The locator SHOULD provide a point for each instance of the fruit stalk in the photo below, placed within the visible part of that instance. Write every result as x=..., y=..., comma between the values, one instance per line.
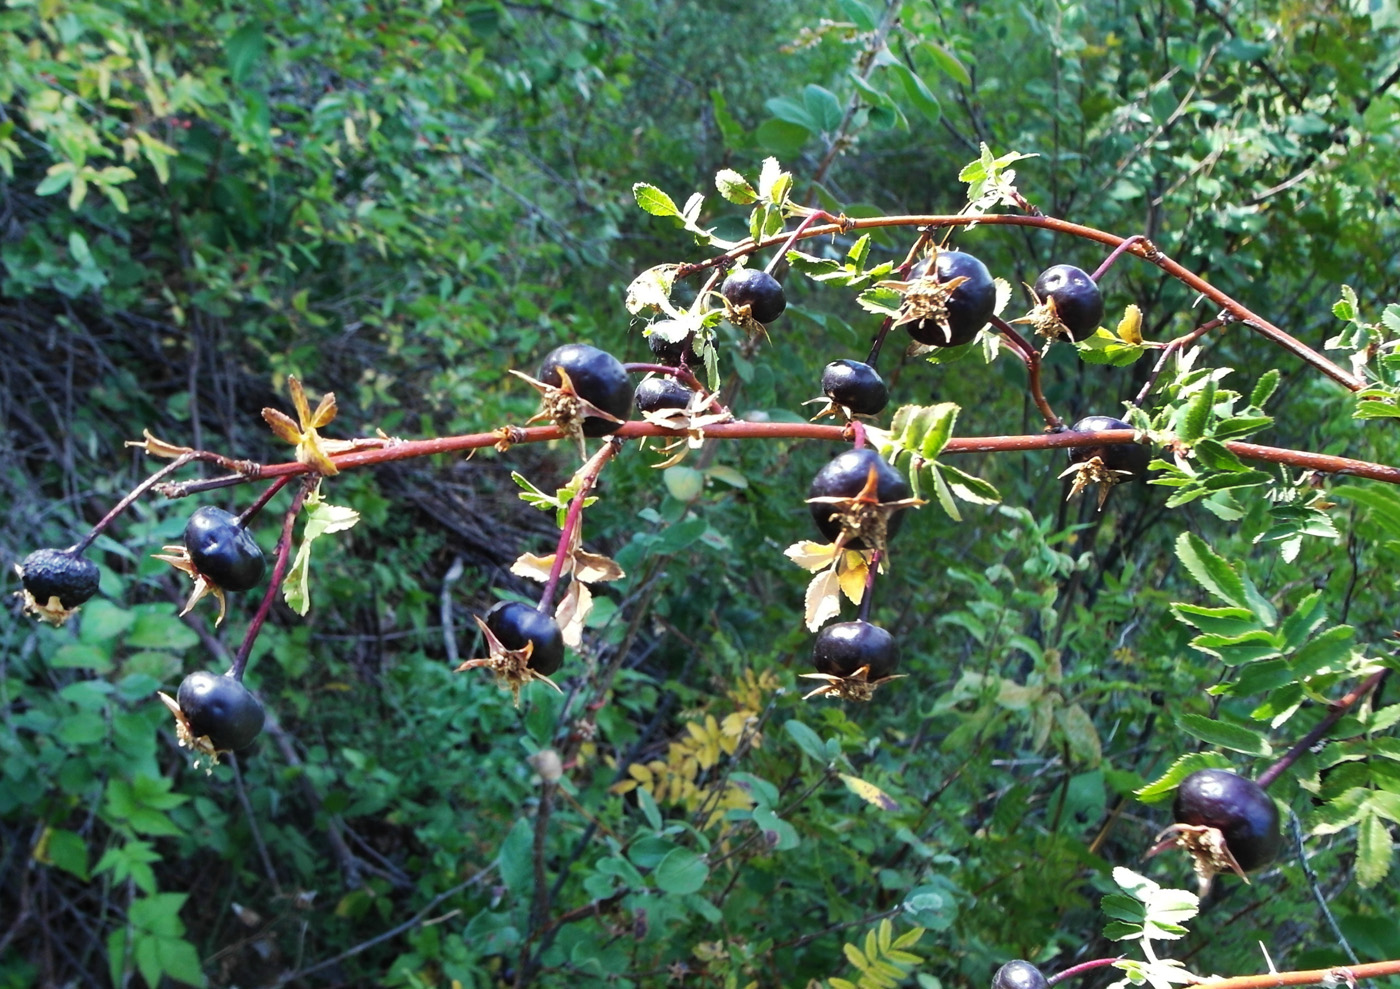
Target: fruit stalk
x=587, y=476
x=1028, y=355
x=863, y=614
x=1320, y=730
x=1172, y=347
x=257, y=506
x=1081, y=968
x=1117, y=252
x=806, y=223
x=82, y=544
x=279, y=570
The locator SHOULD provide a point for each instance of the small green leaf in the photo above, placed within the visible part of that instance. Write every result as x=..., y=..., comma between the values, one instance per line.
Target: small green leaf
x=1197, y=414
x=1373, y=851
x=1183, y=767
x=1224, y=734
x=681, y=871
x=807, y=740
x=1264, y=388
x=734, y=187
x=654, y=201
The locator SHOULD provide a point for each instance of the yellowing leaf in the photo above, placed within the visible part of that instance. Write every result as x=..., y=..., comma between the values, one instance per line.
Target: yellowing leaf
x=869, y=792
x=811, y=555
x=823, y=599
x=572, y=611
x=532, y=566
x=852, y=578
x=1130, y=326
x=593, y=567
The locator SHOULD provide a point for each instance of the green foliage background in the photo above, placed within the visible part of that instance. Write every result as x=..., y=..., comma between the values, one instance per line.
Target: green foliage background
x=400, y=202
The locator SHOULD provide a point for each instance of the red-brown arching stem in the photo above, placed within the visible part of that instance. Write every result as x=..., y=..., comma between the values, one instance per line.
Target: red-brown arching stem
x=1141, y=249
x=1334, y=714
x=1031, y=359
x=586, y=477
x=282, y=555
x=1332, y=977
x=743, y=430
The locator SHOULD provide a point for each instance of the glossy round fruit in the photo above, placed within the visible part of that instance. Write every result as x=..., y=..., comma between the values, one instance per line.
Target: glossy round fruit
x=758, y=290
x=1019, y=974
x=221, y=708
x=855, y=385
x=969, y=307
x=1078, y=301
x=598, y=378
x=845, y=476
x=50, y=573
x=654, y=394
x=222, y=550
x=516, y=624
x=1131, y=457
x=843, y=648
x=1238, y=808
x=669, y=352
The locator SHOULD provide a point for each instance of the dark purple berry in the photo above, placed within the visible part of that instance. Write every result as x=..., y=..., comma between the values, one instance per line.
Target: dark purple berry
x=758, y=290
x=654, y=394
x=669, y=352
x=1078, y=301
x=516, y=624
x=57, y=573
x=1131, y=457
x=1019, y=974
x=221, y=708
x=843, y=648
x=968, y=308
x=222, y=550
x=1238, y=808
x=598, y=378
x=845, y=476
x=857, y=386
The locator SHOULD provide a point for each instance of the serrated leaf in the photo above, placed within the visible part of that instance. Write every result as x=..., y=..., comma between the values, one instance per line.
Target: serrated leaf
x=321, y=519
x=943, y=493
x=1216, y=621
x=653, y=200
x=1373, y=851
x=807, y=740
x=1198, y=412
x=1130, y=326
x=1224, y=734
x=1264, y=388
x=1323, y=651
x=652, y=290
x=1183, y=767
x=1079, y=731
x=1210, y=570
x=1340, y=813
x=852, y=578
x=968, y=488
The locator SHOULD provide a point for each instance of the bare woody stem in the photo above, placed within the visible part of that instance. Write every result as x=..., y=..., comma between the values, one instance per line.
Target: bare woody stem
x=1319, y=976
x=1334, y=714
x=412, y=449
x=587, y=475
x=1031, y=359
x=263, y=499
x=1141, y=249
x=282, y=554
x=871, y=571
x=806, y=224
x=82, y=544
